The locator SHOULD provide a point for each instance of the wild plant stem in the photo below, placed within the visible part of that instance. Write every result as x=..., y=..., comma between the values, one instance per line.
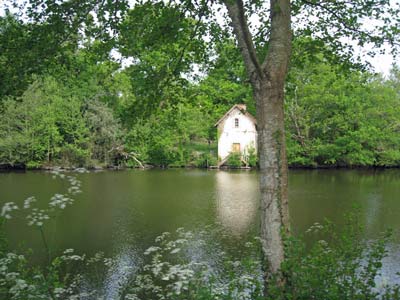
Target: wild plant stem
x=46, y=246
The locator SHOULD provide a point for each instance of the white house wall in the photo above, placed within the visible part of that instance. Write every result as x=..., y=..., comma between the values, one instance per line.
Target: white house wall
x=245, y=134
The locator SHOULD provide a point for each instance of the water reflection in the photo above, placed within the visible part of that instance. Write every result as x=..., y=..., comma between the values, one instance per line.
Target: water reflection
x=236, y=200
x=130, y=208
x=125, y=263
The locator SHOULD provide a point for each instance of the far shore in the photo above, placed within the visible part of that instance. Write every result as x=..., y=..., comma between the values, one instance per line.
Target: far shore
x=22, y=168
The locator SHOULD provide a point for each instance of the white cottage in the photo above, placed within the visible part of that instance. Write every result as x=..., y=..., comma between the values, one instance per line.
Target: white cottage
x=237, y=132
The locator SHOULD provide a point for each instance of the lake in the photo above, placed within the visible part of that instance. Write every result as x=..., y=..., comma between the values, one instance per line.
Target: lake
x=120, y=211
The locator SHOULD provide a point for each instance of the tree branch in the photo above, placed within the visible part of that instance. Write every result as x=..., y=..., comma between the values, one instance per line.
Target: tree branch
x=352, y=28
x=244, y=38
x=280, y=41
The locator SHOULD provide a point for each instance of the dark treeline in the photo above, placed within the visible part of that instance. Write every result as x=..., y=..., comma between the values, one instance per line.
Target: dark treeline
x=70, y=102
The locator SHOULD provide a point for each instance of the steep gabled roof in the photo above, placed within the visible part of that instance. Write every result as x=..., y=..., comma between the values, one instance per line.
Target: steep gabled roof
x=240, y=107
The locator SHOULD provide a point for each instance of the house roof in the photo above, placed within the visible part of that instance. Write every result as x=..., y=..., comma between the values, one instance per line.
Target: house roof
x=240, y=107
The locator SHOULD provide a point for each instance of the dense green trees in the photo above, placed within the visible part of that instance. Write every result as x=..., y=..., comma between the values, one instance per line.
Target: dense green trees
x=339, y=119
x=53, y=123
x=78, y=105
x=86, y=113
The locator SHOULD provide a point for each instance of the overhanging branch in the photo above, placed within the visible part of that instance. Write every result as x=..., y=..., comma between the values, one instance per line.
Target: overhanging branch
x=244, y=38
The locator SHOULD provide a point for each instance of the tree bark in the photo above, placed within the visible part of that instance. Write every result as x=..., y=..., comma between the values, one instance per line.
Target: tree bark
x=267, y=80
x=273, y=173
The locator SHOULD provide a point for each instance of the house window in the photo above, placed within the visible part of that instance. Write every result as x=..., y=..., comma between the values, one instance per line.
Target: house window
x=236, y=123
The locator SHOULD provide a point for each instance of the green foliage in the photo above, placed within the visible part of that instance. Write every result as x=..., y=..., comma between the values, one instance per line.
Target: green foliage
x=235, y=160
x=341, y=120
x=164, y=43
x=341, y=266
x=65, y=100
x=61, y=279
x=171, y=137
x=104, y=130
x=172, y=271
x=252, y=158
x=52, y=124
x=206, y=160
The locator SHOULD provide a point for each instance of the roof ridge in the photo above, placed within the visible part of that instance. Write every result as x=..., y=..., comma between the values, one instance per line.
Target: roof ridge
x=239, y=108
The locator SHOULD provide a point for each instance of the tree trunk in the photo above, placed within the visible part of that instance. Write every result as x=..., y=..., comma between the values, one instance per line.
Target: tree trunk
x=273, y=172
x=267, y=80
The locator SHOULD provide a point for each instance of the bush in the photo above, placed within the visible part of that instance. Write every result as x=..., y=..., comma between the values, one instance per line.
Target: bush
x=252, y=158
x=342, y=266
x=206, y=160
x=235, y=160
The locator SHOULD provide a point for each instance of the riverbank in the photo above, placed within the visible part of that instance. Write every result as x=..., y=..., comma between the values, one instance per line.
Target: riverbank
x=5, y=168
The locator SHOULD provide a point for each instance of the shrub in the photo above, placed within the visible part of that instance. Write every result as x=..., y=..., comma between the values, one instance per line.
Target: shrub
x=234, y=160
x=342, y=266
x=252, y=157
x=206, y=160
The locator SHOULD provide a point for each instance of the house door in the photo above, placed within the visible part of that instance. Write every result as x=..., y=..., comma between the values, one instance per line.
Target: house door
x=236, y=147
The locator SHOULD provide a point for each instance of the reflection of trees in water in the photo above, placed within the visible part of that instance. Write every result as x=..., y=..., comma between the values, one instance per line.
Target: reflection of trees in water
x=318, y=194
x=237, y=200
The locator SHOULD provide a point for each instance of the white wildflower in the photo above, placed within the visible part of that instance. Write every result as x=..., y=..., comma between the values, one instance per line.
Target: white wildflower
x=108, y=262
x=316, y=227
x=60, y=201
x=151, y=250
x=58, y=292
x=176, y=250
x=68, y=255
x=131, y=297
x=161, y=237
x=28, y=201
x=20, y=284
x=8, y=207
x=248, y=244
x=37, y=217
x=323, y=243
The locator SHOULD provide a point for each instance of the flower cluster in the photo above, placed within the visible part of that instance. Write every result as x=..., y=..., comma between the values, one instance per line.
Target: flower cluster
x=60, y=201
x=68, y=255
x=179, y=266
x=75, y=185
x=8, y=207
x=314, y=228
x=28, y=201
x=12, y=278
x=37, y=217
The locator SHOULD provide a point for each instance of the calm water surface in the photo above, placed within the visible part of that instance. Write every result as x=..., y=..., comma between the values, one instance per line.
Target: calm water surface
x=121, y=210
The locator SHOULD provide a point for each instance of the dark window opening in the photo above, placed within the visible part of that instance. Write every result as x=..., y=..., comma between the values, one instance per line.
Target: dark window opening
x=236, y=123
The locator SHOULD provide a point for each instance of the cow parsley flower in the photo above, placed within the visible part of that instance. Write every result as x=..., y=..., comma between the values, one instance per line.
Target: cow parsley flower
x=37, y=217
x=60, y=201
x=8, y=207
x=29, y=201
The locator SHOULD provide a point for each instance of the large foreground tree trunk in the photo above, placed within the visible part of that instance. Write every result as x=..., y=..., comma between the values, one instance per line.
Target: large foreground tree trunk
x=267, y=80
x=273, y=173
